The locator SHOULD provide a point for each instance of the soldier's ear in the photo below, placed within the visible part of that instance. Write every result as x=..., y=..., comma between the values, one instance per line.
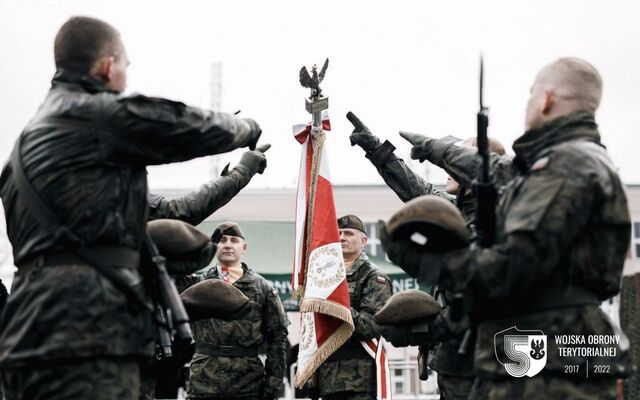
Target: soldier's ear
x=549, y=100
x=364, y=239
x=102, y=69
x=244, y=247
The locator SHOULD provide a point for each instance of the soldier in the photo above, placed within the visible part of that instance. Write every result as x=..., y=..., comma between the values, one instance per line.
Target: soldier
x=226, y=364
x=562, y=234
x=350, y=372
x=455, y=371
x=76, y=183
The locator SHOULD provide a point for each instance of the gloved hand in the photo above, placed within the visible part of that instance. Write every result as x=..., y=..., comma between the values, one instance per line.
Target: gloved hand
x=255, y=160
x=415, y=261
x=420, y=149
x=361, y=135
x=255, y=133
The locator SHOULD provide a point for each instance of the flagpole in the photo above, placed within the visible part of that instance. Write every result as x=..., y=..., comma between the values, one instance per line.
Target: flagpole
x=315, y=104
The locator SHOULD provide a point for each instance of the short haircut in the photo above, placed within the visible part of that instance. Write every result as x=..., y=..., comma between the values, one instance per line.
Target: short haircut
x=576, y=81
x=81, y=41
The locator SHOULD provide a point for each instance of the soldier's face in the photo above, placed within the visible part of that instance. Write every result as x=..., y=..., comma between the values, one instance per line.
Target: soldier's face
x=118, y=78
x=352, y=242
x=230, y=249
x=452, y=186
x=539, y=104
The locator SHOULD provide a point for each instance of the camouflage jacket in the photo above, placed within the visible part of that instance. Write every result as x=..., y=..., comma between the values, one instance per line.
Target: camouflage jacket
x=369, y=290
x=85, y=153
x=563, y=231
x=265, y=327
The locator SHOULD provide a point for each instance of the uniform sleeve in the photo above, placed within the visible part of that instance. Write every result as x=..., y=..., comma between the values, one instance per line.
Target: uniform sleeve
x=375, y=293
x=275, y=323
x=464, y=165
x=404, y=182
x=151, y=131
x=542, y=223
x=196, y=206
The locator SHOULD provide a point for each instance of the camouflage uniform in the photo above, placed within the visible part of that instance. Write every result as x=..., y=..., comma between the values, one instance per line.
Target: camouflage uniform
x=226, y=363
x=85, y=153
x=562, y=235
x=455, y=371
x=350, y=373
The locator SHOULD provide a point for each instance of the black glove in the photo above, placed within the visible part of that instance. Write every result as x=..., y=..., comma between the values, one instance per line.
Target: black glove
x=361, y=135
x=412, y=258
x=420, y=148
x=255, y=133
x=255, y=160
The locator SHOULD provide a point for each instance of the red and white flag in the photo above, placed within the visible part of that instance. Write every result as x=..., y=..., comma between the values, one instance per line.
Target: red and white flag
x=319, y=276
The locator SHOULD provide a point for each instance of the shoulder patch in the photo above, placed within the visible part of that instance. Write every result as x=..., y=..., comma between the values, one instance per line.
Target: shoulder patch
x=274, y=292
x=540, y=164
x=381, y=279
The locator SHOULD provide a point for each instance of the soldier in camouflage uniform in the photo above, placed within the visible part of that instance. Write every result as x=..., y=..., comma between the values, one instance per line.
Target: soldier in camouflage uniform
x=455, y=371
x=226, y=363
x=562, y=235
x=350, y=372
x=67, y=331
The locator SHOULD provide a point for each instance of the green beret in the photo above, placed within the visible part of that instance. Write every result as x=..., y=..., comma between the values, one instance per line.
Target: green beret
x=430, y=223
x=407, y=306
x=351, y=221
x=213, y=298
x=231, y=229
x=186, y=249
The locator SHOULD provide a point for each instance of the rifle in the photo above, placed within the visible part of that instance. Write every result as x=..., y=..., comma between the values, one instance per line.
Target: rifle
x=174, y=333
x=484, y=188
x=486, y=198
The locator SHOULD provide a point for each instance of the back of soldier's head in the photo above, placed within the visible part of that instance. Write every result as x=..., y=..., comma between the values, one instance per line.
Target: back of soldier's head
x=81, y=41
x=575, y=82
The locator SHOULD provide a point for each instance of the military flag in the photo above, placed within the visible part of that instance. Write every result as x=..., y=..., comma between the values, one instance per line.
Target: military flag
x=319, y=276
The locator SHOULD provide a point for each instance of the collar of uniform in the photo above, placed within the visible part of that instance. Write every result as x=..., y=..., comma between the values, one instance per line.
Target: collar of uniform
x=357, y=263
x=247, y=276
x=83, y=80
x=576, y=125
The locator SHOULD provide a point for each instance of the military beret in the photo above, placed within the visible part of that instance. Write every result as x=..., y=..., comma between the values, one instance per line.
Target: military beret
x=231, y=229
x=406, y=306
x=186, y=249
x=351, y=221
x=431, y=223
x=213, y=298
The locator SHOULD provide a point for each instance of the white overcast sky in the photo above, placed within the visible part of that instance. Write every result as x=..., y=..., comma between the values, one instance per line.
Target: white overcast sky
x=410, y=65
